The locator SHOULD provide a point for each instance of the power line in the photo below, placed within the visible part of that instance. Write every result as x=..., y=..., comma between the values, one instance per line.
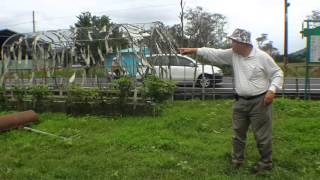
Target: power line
x=24, y=16
x=141, y=7
x=95, y=12
x=101, y=12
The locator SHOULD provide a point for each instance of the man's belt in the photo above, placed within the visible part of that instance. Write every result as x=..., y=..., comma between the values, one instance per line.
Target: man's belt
x=249, y=97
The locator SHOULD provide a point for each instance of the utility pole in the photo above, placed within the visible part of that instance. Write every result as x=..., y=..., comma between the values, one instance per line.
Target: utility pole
x=33, y=22
x=286, y=5
x=285, y=55
x=182, y=23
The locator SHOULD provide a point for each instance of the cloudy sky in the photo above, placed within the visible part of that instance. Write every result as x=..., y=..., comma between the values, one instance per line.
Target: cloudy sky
x=258, y=16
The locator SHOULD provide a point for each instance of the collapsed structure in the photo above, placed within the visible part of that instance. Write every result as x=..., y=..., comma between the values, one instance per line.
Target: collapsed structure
x=83, y=48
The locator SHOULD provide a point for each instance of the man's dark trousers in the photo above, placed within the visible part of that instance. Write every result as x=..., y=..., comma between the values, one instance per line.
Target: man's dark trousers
x=255, y=113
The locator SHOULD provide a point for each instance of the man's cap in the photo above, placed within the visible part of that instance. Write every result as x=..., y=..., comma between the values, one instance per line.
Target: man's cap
x=241, y=35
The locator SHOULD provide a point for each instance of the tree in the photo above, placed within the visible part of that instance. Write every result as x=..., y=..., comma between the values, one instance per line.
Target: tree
x=315, y=15
x=204, y=28
x=175, y=32
x=261, y=40
x=266, y=45
x=90, y=37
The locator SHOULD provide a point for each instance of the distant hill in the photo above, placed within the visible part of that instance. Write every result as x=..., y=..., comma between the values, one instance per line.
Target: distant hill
x=300, y=53
x=294, y=57
x=298, y=56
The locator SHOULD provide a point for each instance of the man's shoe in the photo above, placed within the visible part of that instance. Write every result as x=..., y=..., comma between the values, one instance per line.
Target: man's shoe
x=261, y=167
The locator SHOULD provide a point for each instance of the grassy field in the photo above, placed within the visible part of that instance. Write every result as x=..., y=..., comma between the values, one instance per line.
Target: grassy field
x=299, y=70
x=191, y=140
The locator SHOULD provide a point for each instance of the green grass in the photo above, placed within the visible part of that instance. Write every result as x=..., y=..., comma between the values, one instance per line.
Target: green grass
x=191, y=140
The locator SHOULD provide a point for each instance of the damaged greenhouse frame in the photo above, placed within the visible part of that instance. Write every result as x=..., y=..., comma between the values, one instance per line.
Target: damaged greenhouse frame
x=85, y=56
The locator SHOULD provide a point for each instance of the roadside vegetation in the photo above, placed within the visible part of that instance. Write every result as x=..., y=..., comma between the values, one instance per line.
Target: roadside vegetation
x=299, y=70
x=295, y=70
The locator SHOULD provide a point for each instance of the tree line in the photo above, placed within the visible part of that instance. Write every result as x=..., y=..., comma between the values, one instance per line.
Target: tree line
x=197, y=28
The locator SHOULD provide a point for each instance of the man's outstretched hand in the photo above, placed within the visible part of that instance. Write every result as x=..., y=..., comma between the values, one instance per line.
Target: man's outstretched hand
x=188, y=50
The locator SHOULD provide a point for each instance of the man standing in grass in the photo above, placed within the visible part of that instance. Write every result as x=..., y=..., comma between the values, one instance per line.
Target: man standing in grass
x=256, y=78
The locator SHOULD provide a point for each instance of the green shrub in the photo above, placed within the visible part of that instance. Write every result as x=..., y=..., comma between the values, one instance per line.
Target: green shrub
x=97, y=71
x=2, y=98
x=39, y=92
x=124, y=85
x=78, y=93
x=19, y=93
x=158, y=89
x=65, y=72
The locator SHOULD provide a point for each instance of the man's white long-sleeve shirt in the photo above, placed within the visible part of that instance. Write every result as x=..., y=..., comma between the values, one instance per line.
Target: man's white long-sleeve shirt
x=253, y=75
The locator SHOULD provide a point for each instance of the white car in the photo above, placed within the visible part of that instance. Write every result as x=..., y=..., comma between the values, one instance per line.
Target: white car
x=183, y=70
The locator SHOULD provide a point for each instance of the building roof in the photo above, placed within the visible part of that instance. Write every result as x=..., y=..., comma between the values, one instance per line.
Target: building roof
x=8, y=31
x=5, y=34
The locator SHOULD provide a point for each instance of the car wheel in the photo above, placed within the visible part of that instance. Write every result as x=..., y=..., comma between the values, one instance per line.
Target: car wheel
x=205, y=81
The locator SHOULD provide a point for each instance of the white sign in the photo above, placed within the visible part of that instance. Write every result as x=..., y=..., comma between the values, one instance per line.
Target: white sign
x=315, y=49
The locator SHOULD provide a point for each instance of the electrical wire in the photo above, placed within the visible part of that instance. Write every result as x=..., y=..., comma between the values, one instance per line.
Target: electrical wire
x=100, y=12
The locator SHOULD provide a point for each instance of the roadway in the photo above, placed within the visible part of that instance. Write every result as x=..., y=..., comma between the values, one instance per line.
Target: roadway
x=293, y=87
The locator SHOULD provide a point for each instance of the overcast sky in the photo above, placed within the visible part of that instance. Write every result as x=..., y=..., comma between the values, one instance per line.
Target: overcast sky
x=258, y=16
